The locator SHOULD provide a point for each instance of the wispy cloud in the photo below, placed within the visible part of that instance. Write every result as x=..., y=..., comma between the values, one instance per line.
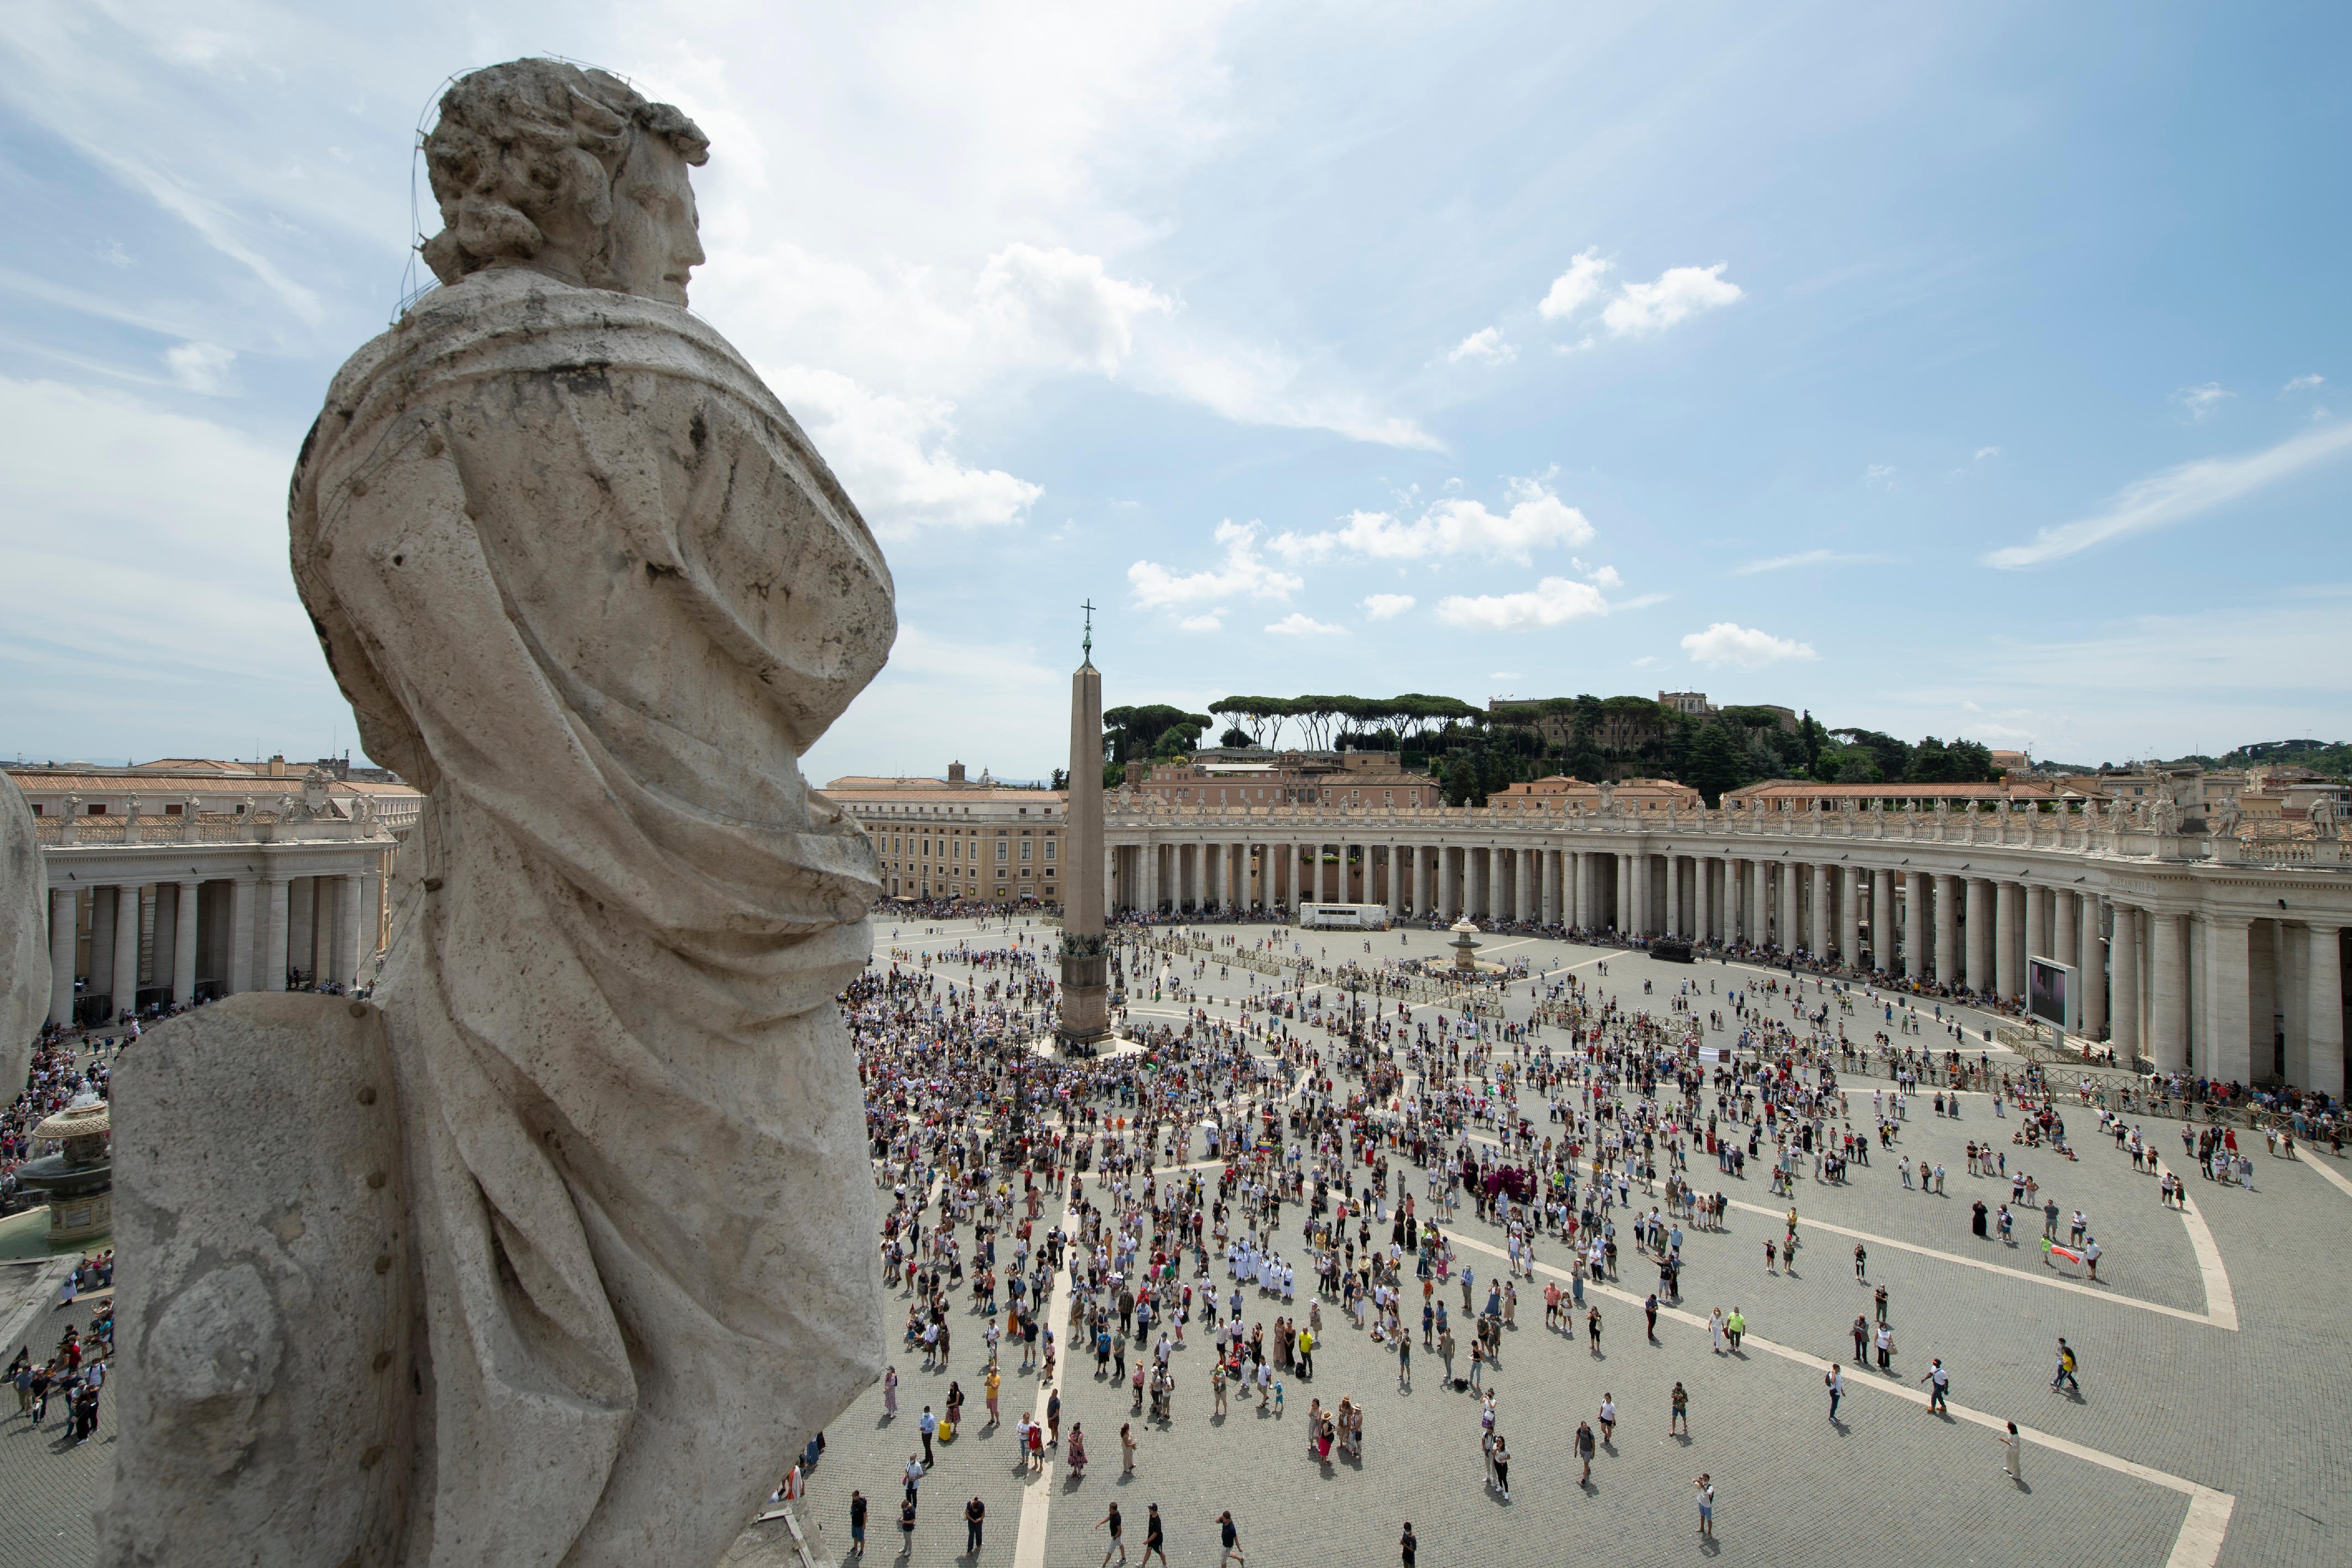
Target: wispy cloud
x=2311, y=383
x=2201, y=401
x=1727, y=642
x=1537, y=519
x=2177, y=494
x=1243, y=574
x=1296, y=624
x=1575, y=288
x=1808, y=558
x=1554, y=602
x=1485, y=345
x=1679, y=292
x=1387, y=606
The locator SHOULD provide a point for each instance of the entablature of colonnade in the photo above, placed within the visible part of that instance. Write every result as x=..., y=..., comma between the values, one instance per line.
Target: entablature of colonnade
x=160, y=850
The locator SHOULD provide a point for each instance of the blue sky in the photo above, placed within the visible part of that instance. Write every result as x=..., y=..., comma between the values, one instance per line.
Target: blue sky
x=1971, y=371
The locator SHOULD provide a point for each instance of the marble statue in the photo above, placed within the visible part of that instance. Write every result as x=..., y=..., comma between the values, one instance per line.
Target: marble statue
x=587, y=584
x=24, y=936
x=2323, y=820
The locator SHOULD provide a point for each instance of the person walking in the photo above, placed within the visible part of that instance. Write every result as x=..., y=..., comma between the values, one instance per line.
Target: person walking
x=1706, y=1489
x=1408, y=1544
x=1585, y=1447
x=1155, y=1537
x=857, y=1522
x=1650, y=1311
x=1835, y=1382
x=1937, y=1381
x=1860, y=1340
x=1885, y=1348
x=1126, y=1450
x=2011, y=1455
x=1229, y=1536
x=2066, y=1365
x=1112, y=1522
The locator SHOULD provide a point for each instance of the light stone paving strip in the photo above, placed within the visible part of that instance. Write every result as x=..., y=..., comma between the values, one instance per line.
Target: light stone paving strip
x=2202, y=1531
x=2223, y=1317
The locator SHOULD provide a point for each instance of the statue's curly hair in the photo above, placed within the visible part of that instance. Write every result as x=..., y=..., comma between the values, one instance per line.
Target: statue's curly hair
x=517, y=142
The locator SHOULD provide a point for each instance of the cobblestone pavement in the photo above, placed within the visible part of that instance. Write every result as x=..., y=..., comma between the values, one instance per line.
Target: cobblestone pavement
x=2246, y=1412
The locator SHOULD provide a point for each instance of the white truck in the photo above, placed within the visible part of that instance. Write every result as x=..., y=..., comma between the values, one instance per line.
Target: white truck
x=1344, y=917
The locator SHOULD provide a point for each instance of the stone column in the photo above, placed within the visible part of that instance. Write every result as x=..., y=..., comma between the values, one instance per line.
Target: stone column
x=1789, y=933
x=2007, y=896
x=1623, y=909
x=2091, y=958
x=184, y=943
x=1946, y=918
x=2168, y=988
x=65, y=935
x=1675, y=924
x=1297, y=869
x=126, y=948
x=1850, y=916
x=1882, y=921
x=1916, y=942
x=1445, y=882
x=1817, y=920
x=2066, y=934
x=1980, y=935
x=242, y=941
x=2323, y=1061
x=347, y=930
x=274, y=915
x=2037, y=927
x=1523, y=886
x=2228, y=1031
x=2129, y=1034
x=1703, y=895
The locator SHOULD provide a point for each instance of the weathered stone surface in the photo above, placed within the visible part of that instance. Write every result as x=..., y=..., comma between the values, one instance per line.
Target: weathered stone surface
x=587, y=583
x=268, y=1408
x=24, y=937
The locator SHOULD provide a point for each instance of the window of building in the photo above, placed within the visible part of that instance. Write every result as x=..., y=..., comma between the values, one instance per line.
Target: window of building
x=97, y=809
x=36, y=808
x=1000, y=873
x=174, y=809
x=1000, y=850
x=1049, y=852
x=1024, y=848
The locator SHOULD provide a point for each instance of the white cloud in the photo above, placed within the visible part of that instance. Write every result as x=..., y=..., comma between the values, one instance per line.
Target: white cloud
x=1243, y=574
x=1213, y=620
x=2178, y=494
x=1505, y=676
x=1879, y=475
x=1554, y=602
x=1987, y=454
x=200, y=367
x=2200, y=402
x=1296, y=624
x=1806, y=558
x=1726, y=643
x=1387, y=606
x=1484, y=345
x=1538, y=520
x=891, y=456
x=1679, y=292
x=1574, y=288
x=1259, y=384
x=1066, y=304
x=2311, y=383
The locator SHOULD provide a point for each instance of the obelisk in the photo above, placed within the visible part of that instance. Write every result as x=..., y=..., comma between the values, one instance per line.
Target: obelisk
x=1085, y=1016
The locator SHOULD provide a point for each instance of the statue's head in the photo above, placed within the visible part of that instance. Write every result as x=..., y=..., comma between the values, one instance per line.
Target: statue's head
x=573, y=173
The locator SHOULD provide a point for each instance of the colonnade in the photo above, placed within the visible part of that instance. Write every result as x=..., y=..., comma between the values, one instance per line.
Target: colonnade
x=132, y=943
x=2167, y=974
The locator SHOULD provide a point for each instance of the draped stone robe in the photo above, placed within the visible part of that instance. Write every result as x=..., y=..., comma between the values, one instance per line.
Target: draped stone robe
x=588, y=584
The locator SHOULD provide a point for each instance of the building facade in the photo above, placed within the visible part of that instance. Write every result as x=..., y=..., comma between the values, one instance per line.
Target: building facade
x=971, y=840
x=178, y=882
x=1240, y=776
x=2215, y=953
